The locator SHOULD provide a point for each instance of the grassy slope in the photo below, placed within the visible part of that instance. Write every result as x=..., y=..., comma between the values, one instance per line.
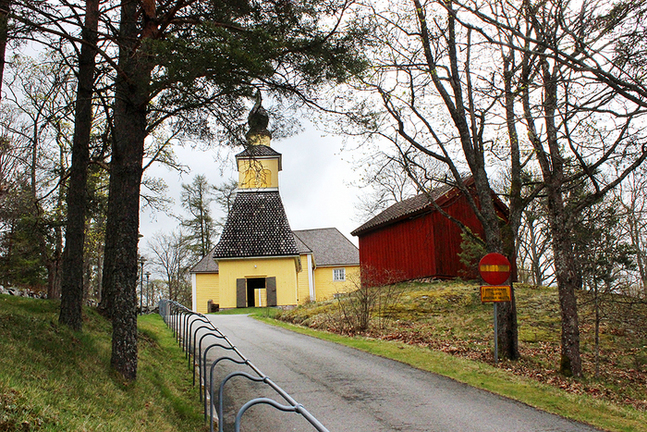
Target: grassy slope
x=53, y=379
x=448, y=331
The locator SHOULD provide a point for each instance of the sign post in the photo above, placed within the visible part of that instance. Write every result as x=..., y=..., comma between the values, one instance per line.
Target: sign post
x=496, y=333
x=495, y=270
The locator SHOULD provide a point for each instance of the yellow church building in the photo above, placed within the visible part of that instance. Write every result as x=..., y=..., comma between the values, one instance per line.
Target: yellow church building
x=259, y=261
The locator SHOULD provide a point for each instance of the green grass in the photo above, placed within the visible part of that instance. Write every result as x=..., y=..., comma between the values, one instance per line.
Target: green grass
x=255, y=311
x=54, y=379
x=444, y=328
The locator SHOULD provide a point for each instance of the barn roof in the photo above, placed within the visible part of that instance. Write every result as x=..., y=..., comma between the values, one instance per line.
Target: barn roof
x=329, y=247
x=257, y=226
x=206, y=265
x=420, y=204
x=405, y=208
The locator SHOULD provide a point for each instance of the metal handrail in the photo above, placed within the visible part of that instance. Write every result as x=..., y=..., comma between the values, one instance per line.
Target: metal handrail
x=219, y=414
x=200, y=362
x=177, y=318
x=298, y=408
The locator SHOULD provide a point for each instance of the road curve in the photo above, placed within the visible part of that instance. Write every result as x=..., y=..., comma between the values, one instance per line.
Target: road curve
x=352, y=391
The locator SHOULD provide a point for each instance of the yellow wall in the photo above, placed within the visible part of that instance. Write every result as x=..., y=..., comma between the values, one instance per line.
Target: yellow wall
x=284, y=269
x=325, y=288
x=259, y=140
x=303, y=290
x=207, y=285
x=258, y=173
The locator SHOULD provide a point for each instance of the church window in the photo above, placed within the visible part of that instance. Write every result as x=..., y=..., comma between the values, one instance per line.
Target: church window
x=339, y=274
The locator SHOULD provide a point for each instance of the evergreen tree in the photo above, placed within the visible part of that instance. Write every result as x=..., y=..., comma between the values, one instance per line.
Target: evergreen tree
x=197, y=198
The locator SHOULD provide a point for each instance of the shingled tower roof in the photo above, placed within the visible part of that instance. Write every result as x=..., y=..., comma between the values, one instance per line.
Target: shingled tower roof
x=257, y=226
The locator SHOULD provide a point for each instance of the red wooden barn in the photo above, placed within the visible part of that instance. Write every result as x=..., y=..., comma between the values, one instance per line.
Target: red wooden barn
x=412, y=240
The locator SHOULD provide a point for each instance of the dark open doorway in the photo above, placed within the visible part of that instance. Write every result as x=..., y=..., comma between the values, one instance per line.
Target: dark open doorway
x=253, y=284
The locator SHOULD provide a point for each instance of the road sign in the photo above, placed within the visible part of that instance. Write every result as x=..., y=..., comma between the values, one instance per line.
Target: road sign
x=494, y=268
x=495, y=294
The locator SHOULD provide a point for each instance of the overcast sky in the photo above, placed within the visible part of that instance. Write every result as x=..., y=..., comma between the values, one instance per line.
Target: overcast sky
x=314, y=183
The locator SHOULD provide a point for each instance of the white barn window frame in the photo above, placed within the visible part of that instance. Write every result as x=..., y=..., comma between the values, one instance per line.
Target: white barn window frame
x=339, y=274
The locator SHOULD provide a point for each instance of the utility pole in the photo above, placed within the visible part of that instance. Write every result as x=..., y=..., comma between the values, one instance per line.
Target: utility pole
x=141, y=285
x=148, y=293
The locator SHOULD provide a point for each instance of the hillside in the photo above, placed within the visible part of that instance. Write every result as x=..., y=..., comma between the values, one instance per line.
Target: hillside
x=53, y=379
x=449, y=317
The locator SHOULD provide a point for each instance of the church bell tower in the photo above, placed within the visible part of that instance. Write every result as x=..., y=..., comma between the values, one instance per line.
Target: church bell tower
x=257, y=225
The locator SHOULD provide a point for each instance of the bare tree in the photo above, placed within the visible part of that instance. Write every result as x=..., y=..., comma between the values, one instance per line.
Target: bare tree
x=368, y=301
x=631, y=199
x=172, y=257
x=576, y=136
x=5, y=7
x=554, y=76
x=385, y=182
x=534, y=255
x=433, y=95
x=35, y=121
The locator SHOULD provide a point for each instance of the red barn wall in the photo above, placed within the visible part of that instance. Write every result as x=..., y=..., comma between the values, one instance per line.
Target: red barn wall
x=448, y=239
x=424, y=246
x=404, y=250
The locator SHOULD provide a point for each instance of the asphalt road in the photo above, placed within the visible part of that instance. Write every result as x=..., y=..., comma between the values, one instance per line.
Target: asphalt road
x=352, y=391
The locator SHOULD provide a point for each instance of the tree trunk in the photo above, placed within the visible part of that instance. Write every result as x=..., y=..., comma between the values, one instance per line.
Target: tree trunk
x=508, y=331
x=566, y=269
x=635, y=234
x=465, y=120
x=567, y=282
x=72, y=284
x=54, y=277
x=5, y=6
x=597, y=328
x=508, y=334
x=559, y=219
x=132, y=95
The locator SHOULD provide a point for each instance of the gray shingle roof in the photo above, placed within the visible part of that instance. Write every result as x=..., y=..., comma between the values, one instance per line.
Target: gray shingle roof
x=206, y=265
x=402, y=209
x=301, y=246
x=329, y=246
x=258, y=151
x=257, y=226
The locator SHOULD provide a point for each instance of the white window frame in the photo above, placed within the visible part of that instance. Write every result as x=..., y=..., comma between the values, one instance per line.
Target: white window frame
x=339, y=274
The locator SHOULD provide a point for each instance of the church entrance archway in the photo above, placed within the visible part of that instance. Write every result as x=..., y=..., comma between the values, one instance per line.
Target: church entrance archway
x=254, y=284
